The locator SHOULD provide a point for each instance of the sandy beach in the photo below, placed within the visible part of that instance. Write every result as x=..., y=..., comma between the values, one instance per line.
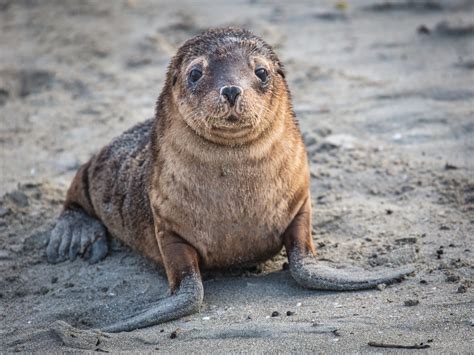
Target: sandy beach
x=384, y=94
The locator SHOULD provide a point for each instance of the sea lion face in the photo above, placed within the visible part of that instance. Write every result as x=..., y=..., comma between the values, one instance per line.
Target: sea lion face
x=225, y=85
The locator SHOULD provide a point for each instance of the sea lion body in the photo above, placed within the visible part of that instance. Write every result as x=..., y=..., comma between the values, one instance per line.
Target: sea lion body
x=231, y=203
x=228, y=195
x=219, y=178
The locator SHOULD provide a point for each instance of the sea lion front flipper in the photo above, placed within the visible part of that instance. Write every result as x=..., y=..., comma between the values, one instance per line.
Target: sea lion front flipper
x=313, y=274
x=77, y=234
x=181, y=262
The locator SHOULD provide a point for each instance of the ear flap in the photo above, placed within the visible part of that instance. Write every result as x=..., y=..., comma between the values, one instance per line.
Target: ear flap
x=172, y=73
x=281, y=72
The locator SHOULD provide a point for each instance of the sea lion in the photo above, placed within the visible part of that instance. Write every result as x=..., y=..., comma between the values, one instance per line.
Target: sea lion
x=218, y=178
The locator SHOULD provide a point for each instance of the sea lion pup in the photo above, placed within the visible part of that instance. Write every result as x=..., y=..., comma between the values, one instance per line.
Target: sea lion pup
x=218, y=178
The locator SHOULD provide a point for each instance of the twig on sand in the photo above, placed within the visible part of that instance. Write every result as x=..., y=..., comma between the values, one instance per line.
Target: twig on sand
x=398, y=346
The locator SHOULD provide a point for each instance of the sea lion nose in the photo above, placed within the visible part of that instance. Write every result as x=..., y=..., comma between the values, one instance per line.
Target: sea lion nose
x=231, y=93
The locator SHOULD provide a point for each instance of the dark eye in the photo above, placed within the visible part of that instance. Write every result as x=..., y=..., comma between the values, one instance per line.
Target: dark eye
x=262, y=74
x=195, y=75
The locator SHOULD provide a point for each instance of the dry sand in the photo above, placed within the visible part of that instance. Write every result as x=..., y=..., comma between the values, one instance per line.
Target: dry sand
x=384, y=92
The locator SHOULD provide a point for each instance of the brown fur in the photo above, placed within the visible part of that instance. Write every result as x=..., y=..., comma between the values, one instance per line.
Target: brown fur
x=230, y=198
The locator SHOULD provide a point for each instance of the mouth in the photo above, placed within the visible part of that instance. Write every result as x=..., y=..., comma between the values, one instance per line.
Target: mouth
x=230, y=123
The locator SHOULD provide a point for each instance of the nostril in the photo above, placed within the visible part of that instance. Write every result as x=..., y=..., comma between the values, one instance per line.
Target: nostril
x=231, y=93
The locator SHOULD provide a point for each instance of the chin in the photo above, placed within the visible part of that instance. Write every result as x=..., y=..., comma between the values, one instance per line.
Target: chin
x=231, y=131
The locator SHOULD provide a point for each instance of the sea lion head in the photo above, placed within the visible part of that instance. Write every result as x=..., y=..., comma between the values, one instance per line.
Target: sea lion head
x=227, y=85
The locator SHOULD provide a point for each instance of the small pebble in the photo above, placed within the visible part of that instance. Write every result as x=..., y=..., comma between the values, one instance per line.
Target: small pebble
x=54, y=279
x=174, y=333
x=298, y=304
x=290, y=313
x=462, y=289
x=452, y=278
x=448, y=166
x=439, y=252
x=411, y=303
x=275, y=314
x=423, y=29
x=381, y=287
x=423, y=282
x=206, y=318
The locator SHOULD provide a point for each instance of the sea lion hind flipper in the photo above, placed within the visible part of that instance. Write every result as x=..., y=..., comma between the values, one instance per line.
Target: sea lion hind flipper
x=185, y=301
x=313, y=274
x=181, y=262
x=77, y=233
